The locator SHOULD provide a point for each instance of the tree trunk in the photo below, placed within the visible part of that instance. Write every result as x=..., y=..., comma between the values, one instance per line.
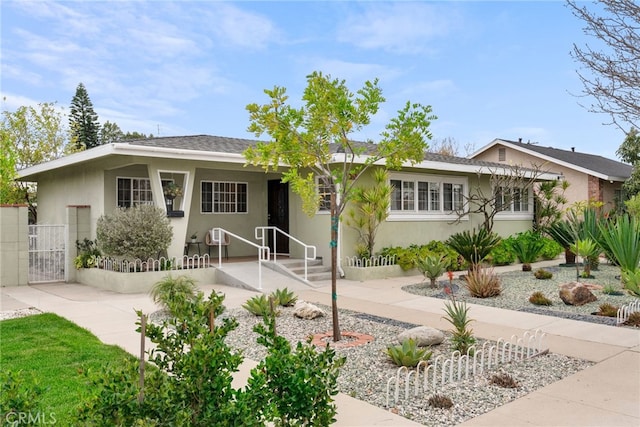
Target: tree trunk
x=569, y=257
x=334, y=268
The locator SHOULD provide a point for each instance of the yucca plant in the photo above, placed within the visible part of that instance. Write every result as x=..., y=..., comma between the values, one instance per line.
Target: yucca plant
x=473, y=246
x=458, y=315
x=631, y=281
x=408, y=353
x=527, y=247
x=432, y=266
x=171, y=289
x=284, y=297
x=622, y=238
x=261, y=306
x=483, y=283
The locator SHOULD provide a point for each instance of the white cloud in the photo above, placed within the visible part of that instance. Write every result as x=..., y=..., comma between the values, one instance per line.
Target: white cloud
x=399, y=27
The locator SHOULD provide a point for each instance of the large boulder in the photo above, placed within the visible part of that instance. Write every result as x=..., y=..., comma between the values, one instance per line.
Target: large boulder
x=575, y=293
x=423, y=336
x=306, y=310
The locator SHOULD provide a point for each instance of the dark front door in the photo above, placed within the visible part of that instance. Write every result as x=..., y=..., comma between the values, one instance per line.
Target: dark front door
x=278, y=214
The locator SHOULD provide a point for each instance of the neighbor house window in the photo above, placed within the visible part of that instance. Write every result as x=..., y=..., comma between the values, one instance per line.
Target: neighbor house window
x=134, y=192
x=427, y=195
x=324, y=191
x=223, y=197
x=502, y=154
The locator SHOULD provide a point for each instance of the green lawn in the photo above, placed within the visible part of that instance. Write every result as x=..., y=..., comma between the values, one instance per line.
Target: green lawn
x=56, y=351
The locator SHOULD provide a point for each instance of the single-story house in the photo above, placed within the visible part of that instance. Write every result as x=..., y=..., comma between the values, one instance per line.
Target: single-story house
x=591, y=177
x=221, y=190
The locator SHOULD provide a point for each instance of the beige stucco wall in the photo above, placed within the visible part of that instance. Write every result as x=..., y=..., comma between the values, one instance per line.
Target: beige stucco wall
x=14, y=245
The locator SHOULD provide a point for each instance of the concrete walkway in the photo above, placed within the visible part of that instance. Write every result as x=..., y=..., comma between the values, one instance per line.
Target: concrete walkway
x=606, y=394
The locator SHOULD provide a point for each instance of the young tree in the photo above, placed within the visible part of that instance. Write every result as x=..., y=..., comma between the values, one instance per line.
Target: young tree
x=30, y=135
x=313, y=141
x=83, y=121
x=629, y=152
x=549, y=199
x=507, y=185
x=611, y=64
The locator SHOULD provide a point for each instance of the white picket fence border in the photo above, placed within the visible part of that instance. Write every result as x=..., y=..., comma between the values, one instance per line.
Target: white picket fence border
x=459, y=367
x=625, y=311
x=374, y=261
x=152, y=264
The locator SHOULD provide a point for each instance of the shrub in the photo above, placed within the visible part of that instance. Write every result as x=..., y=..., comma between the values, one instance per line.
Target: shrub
x=87, y=253
x=543, y=274
x=483, y=283
x=406, y=257
x=527, y=247
x=140, y=232
x=550, y=249
x=284, y=297
x=170, y=290
x=502, y=253
x=503, y=379
x=631, y=281
x=608, y=310
x=474, y=246
x=634, y=319
x=462, y=335
x=440, y=401
x=538, y=298
x=408, y=353
x=19, y=393
x=432, y=267
x=261, y=306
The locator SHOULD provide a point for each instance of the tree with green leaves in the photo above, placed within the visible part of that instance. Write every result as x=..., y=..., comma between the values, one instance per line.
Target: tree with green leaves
x=314, y=142
x=83, y=121
x=136, y=135
x=110, y=132
x=29, y=136
x=629, y=152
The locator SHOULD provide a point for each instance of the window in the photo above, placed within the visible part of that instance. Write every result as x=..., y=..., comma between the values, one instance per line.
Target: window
x=502, y=154
x=134, y=192
x=223, y=197
x=432, y=196
x=324, y=191
x=512, y=200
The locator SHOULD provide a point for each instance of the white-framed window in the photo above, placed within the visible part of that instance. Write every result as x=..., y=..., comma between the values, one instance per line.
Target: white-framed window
x=324, y=191
x=426, y=196
x=223, y=197
x=513, y=201
x=133, y=192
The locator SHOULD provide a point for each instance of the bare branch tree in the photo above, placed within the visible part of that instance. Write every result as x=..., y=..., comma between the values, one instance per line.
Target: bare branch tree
x=611, y=76
x=510, y=187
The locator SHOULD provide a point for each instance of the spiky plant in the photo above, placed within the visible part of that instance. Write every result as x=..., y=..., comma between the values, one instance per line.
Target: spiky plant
x=474, y=246
x=432, y=266
x=503, y=379
x=610, y=289
x=408, y=353
x=631, y=281
x=527, y=248
x=623, y=240
x=585, y=248
x=440, y=401
x=260, y=306
x=284, y=297
x=483, y=283
x=171, y=289
x=458, y=315
x=543, y=274
x=608, y=310
x=538, y=298
x=633, y=320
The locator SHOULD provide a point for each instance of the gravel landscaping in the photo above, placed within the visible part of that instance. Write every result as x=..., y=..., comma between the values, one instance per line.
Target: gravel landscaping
x=517, y=287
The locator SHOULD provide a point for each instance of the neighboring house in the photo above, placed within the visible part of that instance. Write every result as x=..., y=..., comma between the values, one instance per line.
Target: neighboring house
x=220, y=190
x=592, y=177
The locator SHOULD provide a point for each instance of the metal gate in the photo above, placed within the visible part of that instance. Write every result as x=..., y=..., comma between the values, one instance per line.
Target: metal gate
x=47, y=253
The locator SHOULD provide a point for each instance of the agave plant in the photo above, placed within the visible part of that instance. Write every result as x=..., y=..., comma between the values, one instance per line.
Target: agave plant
x=432, y=266
x=474, y=246
x=284, y=297
x=458, y=315
x=408, y=353
x=260, y=305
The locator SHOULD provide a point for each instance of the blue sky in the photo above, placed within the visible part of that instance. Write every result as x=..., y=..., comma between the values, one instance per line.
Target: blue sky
x=488, y=69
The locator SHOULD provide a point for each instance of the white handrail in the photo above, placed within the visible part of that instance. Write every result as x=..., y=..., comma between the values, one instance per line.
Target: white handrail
x=263, y=251
x=261, y=234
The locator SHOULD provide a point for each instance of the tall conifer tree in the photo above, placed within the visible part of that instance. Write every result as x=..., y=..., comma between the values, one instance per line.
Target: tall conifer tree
x=83, y=121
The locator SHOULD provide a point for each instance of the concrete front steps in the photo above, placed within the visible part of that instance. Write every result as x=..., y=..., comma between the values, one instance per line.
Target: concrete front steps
x=316, y=270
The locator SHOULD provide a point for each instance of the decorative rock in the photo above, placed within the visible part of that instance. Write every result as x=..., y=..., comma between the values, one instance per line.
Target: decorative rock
x=575, y=293
x=305, y=310
x=423, y=336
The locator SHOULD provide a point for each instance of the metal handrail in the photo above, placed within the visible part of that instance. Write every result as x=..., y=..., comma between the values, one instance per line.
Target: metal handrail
x=261, y=234
x=263, y=251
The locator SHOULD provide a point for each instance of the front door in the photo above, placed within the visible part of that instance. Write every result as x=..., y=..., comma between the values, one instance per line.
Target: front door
x=278, y=214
